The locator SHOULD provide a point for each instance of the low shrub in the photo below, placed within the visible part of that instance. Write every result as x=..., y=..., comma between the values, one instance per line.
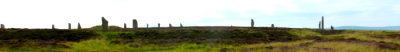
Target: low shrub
x=44, y=34
x=281, y=36
x=228, y=35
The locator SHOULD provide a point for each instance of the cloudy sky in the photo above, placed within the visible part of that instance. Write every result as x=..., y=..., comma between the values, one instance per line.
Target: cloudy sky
x=282, y=13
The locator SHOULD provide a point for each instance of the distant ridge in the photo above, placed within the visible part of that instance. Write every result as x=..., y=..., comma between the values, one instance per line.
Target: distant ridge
x=369, y=28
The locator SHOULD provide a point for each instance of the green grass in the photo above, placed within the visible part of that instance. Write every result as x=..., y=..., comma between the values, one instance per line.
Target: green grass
x=95, y=46
x=366, y=35
x=107, y=46
x=304, y=32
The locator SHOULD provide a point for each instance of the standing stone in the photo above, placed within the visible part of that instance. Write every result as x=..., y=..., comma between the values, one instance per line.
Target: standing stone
x=52, y=26
x=158, y=25
x=147, y=26
x=69, y=26
x=170, y=25
x=322, y=23
x=79, y=26
x=332, y=28
x=181, y=25
x=124, y=25
x=2, y=26
x=134, y=24
x=252, y=23
x=272, y=25
x=319, y=25
x=104, y=24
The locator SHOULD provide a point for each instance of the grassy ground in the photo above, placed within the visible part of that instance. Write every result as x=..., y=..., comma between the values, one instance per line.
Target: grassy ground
x=305, y=41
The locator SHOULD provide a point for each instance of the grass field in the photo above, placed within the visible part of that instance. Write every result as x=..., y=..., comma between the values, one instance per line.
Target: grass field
x=192, y=40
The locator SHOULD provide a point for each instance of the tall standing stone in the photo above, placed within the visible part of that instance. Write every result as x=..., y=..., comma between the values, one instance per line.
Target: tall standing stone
x=147, y=25
x=181, y=25
x=124, y=25
x=52, y=26
x=158, y=25
x=134, y=24
x=69, y=26
x=104, y=24
x=2, y=26
x=79, y=26
x=252, y=23
x=332, y=28
x=322, y=23
x=170, y=25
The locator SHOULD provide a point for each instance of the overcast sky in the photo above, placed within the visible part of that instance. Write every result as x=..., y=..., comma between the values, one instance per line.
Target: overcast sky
x=282, y=13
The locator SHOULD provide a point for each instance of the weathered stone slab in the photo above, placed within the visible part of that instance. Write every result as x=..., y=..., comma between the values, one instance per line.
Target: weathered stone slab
x=104, y=24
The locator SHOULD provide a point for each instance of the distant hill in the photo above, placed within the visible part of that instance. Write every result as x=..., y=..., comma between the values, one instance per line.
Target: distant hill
x=369, y=28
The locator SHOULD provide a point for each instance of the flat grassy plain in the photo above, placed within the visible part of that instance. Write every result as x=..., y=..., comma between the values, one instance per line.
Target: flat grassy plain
x=201, y=40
